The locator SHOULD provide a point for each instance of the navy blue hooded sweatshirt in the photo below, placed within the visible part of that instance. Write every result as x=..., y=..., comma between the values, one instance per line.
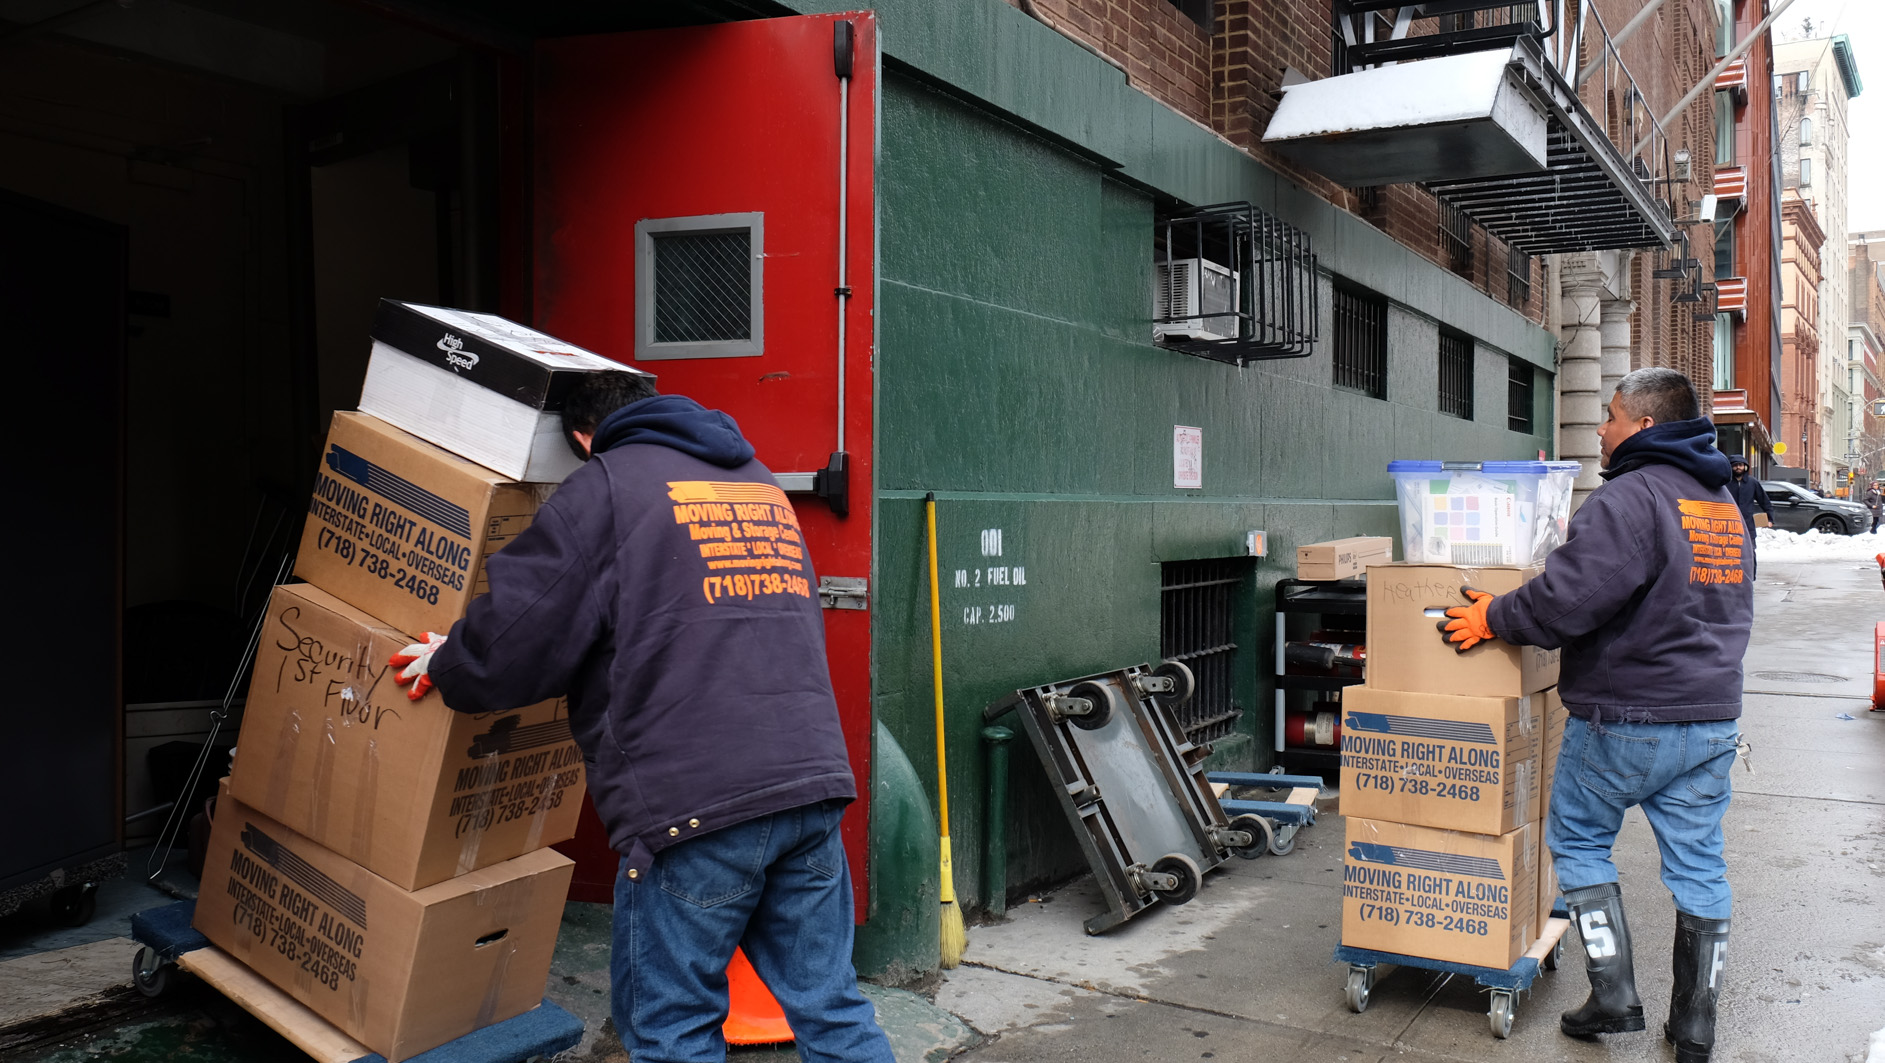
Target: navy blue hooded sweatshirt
x=1652, y=594
x=665, y=589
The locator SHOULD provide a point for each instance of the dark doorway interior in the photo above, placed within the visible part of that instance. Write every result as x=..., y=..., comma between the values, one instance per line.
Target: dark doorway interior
x=62, y=296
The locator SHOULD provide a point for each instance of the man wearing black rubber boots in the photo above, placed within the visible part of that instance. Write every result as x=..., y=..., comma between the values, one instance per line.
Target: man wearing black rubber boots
x=1651, y=599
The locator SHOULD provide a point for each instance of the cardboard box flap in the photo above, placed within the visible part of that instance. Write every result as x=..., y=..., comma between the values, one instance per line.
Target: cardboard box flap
x=482, y=880
x=514, y=360
x=452, y=466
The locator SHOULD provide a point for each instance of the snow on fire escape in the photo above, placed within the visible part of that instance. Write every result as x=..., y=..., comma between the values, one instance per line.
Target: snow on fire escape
x=1488, y=107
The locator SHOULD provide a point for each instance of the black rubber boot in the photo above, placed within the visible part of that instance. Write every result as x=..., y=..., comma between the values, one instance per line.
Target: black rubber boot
x=1613, y=1007
x=1701, y=947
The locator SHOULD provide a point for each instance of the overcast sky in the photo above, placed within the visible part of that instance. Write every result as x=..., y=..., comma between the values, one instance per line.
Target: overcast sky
x=1864, y=22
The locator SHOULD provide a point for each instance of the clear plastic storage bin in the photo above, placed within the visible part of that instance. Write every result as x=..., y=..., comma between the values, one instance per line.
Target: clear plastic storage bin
x=1482, y=512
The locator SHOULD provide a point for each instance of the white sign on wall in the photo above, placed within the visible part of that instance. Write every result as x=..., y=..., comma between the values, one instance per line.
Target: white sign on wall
x=1187, y=456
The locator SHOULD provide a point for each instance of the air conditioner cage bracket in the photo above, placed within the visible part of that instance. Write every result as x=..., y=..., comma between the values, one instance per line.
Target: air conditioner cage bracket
x=1277, y=312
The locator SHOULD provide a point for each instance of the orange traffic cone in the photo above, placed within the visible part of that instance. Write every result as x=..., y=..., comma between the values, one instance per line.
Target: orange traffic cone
x=753, y=1016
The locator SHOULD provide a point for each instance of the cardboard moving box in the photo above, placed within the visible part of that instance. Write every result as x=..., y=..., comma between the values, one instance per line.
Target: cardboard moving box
x=1547, y=880
x=1552, y=739
x=1440, y=894
x=402, y=528
x=1405, y=651
x=478, y=385
x=1438, y=760
x=400, y=971
x=1342, y=558
x=411, y=790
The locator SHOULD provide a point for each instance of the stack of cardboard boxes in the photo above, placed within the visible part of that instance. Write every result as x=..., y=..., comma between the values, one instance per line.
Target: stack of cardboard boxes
x=383, y=861
x=1444, y=764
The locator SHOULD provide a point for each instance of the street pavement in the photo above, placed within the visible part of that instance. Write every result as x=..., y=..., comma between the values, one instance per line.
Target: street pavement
x=1244, y=972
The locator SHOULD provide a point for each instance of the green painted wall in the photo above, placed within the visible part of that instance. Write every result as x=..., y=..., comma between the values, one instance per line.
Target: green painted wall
x=1017, y=380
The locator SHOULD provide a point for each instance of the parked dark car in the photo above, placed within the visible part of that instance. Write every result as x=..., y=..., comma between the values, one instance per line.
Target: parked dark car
x=1797, y=509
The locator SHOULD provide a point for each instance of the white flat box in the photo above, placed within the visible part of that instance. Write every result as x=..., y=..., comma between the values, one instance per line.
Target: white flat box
x=481, y=386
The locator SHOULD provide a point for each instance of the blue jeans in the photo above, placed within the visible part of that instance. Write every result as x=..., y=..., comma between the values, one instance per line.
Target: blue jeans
x=776, y=886
x=1678, y=772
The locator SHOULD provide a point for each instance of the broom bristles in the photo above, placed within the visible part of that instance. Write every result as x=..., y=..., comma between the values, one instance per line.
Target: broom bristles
x=955, y=937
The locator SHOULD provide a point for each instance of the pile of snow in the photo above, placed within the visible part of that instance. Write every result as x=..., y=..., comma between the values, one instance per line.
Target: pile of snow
x=1772, y=544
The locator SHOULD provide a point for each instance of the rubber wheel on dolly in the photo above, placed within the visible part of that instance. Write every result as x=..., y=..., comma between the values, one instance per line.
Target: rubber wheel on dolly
x=151, y=972
x=1262, y=835
x=75, y=905
x=1185, y=870
x=1501, y=1014
x=1285, y=841
x=1360, y=982
x=1102, y=697
x=1184, y=684
x=1554, y=957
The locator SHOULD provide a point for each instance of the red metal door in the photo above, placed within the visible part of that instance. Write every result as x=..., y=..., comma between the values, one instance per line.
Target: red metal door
x=739, y=118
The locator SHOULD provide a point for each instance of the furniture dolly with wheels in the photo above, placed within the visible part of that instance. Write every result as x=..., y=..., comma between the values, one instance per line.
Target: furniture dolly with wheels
x=1505, y=985
x=1286, y=817
x=1132, y=785
x=168, y=942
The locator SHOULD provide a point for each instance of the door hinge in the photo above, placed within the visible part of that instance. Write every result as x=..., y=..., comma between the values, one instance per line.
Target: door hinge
x=844, y=592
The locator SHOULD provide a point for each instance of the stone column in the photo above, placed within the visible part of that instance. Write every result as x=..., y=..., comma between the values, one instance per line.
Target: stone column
x=1580, y=367
x=1615, y=329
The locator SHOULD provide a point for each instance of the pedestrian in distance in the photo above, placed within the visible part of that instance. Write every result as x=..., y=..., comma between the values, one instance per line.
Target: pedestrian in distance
x=1875, y=502
x=1748, y=495
x=1651, y=599
x=694, y=664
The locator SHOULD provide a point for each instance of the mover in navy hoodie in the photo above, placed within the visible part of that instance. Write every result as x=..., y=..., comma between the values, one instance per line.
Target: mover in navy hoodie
x=1651, y=599
x=665, y=588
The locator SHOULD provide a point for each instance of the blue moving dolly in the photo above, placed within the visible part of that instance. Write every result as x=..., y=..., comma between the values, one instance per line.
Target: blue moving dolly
x=1505, y=985
x=1288, y=816
x=168, y=942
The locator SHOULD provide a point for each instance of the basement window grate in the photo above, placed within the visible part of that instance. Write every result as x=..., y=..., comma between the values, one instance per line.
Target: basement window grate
x=1456, y=375
x=1361, y=341
x=1518, y=396
x=1197, y=617
x=1233, y=284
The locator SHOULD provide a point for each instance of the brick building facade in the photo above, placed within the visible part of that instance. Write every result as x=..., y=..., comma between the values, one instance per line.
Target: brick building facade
x=1801, y=276
x=1227, y=71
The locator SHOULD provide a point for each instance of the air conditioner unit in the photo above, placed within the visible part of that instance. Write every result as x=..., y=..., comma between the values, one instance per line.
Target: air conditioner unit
x=1194, y=299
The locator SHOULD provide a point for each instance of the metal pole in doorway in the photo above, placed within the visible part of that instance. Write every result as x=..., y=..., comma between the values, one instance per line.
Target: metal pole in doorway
x=843, y=47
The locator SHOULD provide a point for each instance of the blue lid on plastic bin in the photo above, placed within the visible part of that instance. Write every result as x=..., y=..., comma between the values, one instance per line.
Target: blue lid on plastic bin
x=1493, y=467
x=1530, y=466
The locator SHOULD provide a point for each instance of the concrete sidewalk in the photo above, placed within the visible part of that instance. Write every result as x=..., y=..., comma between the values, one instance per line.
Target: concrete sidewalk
x=1244, y=971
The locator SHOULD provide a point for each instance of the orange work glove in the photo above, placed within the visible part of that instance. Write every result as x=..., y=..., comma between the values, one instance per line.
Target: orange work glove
x=416, y=662
x=1466, y=625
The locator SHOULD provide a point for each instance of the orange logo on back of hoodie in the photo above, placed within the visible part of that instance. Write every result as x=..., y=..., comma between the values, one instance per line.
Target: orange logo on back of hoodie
x=1717, y=541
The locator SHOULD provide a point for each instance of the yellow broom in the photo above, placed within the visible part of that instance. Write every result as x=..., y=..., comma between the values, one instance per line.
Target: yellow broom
x=954, y=937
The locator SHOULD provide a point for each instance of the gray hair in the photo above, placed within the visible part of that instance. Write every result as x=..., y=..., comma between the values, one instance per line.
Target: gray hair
x=1663, y=395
